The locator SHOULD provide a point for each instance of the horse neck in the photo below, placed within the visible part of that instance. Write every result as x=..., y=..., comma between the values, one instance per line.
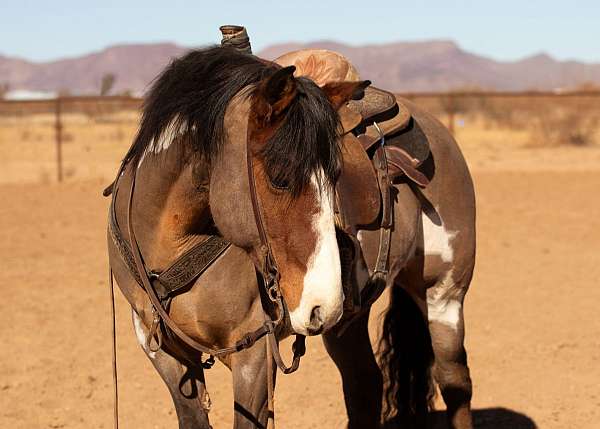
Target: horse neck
x=171, y=211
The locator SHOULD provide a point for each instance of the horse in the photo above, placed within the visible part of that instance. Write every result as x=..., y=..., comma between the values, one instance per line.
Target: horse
x=233, y=146
x=431, y=264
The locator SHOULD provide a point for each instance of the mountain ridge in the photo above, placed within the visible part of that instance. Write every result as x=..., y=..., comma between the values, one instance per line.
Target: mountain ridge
x=433, y=65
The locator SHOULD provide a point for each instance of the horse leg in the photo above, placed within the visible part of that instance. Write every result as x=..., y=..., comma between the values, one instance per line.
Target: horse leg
x=361, y=378
x=447, y=330
x=185, y=383
x=406, y=358
x=249, y=371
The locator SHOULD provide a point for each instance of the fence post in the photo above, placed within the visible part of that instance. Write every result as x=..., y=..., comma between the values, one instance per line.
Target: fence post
x=58, y=128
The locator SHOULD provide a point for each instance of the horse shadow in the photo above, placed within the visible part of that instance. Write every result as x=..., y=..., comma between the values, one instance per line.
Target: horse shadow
x=485, y=418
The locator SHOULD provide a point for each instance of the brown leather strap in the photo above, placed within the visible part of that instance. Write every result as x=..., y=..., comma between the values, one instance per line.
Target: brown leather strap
x=400, y=162
x=269, y=267
x=387, y=220
x=114, y=350
x=378, y=279
x=298, y=349
x=192, y=264
x=270, y=275
x=185, y=269
x=270, y=385
x=147, y=285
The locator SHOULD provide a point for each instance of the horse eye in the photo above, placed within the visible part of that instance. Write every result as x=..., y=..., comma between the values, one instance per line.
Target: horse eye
x=280, y=184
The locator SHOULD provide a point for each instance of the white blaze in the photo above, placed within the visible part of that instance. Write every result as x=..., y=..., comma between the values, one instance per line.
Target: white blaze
x=323, y=280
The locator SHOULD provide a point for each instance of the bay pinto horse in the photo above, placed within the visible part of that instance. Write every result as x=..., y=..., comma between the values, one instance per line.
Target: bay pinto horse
x=223, y=133
x=206, y=116
x=432, y=258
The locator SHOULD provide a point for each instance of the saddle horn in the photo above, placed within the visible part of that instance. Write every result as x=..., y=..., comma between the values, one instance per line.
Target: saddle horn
x=235, y=36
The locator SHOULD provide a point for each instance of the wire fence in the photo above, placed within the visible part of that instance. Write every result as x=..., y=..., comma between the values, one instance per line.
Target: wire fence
x=84, y=136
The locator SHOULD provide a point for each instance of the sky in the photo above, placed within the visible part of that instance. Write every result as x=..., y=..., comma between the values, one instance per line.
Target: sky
x=504, y=30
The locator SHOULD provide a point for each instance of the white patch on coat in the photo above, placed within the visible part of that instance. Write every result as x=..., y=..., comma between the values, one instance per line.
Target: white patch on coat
x=171, y=132
x=442, y=307
x=323, y=279
x=140, y=333
x=436, y=239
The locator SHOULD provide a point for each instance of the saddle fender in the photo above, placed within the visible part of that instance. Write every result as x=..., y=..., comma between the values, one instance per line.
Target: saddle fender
x=357, y=192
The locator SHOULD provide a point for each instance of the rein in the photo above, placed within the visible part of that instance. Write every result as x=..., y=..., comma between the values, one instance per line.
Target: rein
x=157, y=307
x=158, y=292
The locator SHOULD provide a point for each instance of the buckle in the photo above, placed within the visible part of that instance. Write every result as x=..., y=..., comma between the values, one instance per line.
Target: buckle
x=273, y=292
x=270, y=326
x=208, y=363
x=381, y=136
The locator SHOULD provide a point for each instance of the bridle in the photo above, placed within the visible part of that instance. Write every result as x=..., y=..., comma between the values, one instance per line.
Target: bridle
x=269, y=274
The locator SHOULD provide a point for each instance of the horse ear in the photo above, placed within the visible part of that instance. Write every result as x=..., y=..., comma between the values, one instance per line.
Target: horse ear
x=341, y=92
x=276, y=92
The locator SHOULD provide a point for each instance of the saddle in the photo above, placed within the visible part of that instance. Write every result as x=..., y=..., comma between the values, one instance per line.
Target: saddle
x=374, y=133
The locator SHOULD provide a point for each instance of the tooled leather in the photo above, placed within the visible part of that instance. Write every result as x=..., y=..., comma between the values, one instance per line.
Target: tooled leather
x=183, y=270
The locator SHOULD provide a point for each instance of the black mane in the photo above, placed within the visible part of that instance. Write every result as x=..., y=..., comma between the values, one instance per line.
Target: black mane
x=192, y=94
x=306, y=142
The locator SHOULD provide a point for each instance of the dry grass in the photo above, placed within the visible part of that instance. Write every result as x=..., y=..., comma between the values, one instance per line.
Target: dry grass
x=490, y=130
x=92, y=146
x=549, y=121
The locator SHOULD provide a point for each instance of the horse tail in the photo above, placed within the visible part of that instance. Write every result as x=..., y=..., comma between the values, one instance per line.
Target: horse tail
x=406, y=357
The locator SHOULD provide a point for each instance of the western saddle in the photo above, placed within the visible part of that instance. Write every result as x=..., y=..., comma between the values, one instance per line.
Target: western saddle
x=377, y=115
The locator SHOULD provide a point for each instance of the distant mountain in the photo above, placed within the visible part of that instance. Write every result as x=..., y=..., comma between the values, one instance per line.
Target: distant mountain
x=403, y=66
x=133, y=65
x=443, y=65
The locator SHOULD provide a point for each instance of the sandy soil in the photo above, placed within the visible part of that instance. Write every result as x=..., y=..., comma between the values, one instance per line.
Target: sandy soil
x=533, y=334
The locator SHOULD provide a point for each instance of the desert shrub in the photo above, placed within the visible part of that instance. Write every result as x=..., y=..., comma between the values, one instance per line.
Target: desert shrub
x=566, y=125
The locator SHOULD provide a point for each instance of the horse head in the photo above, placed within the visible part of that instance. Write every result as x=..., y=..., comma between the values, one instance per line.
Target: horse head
x=287, y=130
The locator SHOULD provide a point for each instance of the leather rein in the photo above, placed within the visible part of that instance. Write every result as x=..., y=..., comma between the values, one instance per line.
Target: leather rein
x=160, y=286
x=269, y=272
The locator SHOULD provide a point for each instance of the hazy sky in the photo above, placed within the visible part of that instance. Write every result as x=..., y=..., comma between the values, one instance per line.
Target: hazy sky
x=507, y=29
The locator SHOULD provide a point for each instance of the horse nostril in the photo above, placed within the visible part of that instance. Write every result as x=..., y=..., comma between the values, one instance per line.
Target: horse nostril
x=316, y=321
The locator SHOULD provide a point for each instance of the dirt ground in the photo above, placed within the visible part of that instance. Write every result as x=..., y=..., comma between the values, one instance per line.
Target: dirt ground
x=533, y=334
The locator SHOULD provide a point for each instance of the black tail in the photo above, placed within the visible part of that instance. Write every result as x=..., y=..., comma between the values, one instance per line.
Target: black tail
x=406, y=357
